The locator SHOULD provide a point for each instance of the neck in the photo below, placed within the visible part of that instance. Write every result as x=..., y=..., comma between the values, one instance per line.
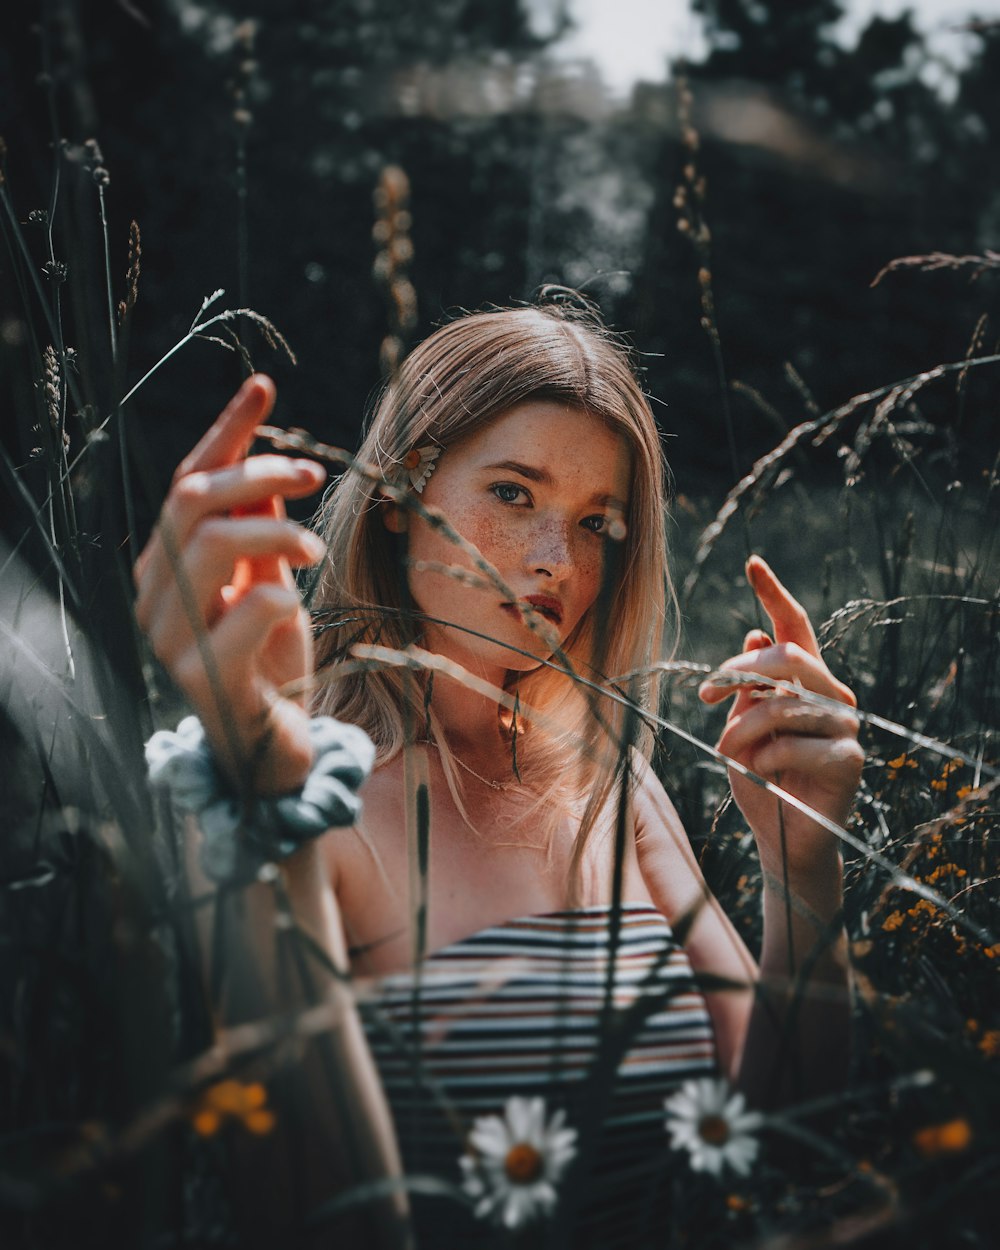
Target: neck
x=471, y=726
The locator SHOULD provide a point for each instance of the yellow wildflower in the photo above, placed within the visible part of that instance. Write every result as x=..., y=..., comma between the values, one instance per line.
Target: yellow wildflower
x=259, y=1122
x=944, y=870
x=989, y=1043
x=254, y=1096
x=893, y=921
x=225, y=1097
x=941, y=783
x=948, y=1138
x=206, y=1122
x=902, y=761
x=230, y=1099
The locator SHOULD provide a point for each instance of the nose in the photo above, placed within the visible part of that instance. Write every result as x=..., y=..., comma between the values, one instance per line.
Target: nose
x=550, y=552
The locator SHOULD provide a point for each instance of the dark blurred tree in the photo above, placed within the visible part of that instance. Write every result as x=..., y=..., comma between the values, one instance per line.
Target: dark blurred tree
x=771, y=41
x=875, y=89
x=823, y=162
x=978, y=109
x=247, y=140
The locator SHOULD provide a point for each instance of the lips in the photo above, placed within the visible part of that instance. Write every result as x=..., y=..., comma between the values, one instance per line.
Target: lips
x=544, y=605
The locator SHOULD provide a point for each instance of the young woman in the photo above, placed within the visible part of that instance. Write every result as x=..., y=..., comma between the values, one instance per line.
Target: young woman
x=492, y=593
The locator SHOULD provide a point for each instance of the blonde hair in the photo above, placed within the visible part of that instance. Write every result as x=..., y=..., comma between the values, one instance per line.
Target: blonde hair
x=468, y=372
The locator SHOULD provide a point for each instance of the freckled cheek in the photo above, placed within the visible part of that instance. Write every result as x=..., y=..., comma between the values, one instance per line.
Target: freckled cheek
x=495, y=537
x=589, y=571
x=488, y=534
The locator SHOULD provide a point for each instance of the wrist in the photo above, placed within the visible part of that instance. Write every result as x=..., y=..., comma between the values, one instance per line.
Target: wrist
x=244, y=831
x=818, y=881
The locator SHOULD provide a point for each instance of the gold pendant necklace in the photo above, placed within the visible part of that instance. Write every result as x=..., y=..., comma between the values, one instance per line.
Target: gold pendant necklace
x=493, y=785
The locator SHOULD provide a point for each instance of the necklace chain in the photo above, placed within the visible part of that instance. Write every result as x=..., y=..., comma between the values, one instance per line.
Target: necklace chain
x=493, y=785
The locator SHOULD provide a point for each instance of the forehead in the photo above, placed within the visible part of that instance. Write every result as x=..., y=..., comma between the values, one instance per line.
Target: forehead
x=568, y=442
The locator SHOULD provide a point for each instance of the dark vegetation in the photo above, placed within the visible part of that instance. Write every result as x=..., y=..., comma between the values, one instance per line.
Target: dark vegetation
x=735, y=228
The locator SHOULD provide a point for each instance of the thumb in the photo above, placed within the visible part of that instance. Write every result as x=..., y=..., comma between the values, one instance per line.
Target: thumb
x=757, y=640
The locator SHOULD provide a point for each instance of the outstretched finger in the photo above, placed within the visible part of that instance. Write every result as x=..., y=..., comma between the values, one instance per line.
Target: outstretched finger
x=768, y=718
x=756, y=640
x=232, y=643
x=821, y=758
x=271, y=568
x=235, y=490
x=786, y=663
x=789, y=619
x=240, y=714
x=232, y=432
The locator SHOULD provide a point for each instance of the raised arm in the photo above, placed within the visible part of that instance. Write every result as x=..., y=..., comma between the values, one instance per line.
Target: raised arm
x=218, y=601
x=782, y=1029
x=797, y=1044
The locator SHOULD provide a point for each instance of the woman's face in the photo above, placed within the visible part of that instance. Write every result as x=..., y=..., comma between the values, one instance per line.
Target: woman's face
x=535, y=491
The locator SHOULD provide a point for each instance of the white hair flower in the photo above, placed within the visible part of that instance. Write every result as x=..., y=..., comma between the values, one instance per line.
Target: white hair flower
x=516, y=1161
x=708, y=1120
x=418, y=465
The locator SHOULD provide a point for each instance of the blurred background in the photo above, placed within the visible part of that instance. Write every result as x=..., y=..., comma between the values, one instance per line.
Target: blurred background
x=540, y=141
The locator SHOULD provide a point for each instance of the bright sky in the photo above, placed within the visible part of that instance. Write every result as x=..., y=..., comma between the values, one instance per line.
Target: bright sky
x=633, y=39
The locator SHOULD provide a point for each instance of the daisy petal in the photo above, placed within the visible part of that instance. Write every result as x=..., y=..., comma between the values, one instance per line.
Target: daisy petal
x=709, y=1120
x=507, y=1191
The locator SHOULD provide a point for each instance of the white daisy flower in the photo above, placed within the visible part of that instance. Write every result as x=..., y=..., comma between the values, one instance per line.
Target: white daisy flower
x=418, y=465
x=516, y=1161
x=711, y=1123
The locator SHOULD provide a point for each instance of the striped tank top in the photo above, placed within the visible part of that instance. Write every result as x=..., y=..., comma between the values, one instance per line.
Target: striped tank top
x=601, y=1025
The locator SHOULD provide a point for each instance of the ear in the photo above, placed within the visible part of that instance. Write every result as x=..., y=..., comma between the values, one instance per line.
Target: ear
x=395, y=519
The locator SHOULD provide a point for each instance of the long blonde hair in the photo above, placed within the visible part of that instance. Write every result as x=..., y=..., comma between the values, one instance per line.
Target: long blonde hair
x=466, y=373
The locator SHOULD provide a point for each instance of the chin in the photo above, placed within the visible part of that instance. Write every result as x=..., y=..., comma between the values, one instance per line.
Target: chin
x=479, y=655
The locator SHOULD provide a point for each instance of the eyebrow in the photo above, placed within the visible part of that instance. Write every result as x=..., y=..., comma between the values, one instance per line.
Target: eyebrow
x=526, y=470
x=534, y=474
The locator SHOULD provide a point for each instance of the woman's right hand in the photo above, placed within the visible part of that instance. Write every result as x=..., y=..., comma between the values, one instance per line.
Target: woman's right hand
x=217, y=598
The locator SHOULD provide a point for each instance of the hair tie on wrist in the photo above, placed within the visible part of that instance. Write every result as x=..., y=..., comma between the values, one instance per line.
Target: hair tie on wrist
x=242, y=833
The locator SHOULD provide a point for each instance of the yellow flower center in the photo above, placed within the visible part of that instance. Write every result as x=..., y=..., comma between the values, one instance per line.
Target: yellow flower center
x=412, y=459
x=523, y=1164
x=713, y=1129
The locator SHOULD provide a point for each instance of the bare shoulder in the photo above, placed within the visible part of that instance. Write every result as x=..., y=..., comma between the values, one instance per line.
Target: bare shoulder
x=678, y=888
x=651, y=799
x=666, y=860
x=352, y=854
x=657, y=821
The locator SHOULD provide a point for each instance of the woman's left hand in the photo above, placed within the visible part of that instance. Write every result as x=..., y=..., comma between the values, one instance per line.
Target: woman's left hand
x=810, y=751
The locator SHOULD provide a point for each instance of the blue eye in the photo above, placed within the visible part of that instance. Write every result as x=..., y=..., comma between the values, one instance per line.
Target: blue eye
x=507, y=492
